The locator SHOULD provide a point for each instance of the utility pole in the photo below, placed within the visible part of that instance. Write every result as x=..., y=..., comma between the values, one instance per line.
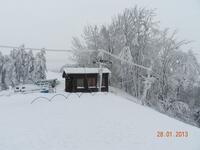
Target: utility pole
x=100, y=61
x=100, y=70
x=100, y=75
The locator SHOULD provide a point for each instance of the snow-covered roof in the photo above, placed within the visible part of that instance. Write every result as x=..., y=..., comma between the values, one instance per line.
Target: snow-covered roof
x=85, y=70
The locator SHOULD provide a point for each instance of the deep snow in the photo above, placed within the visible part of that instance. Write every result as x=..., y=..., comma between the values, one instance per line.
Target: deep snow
x=98, y=121
x=102, y=121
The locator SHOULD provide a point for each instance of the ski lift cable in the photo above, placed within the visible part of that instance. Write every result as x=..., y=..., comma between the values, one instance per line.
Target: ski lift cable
x=128, y=62
x=39, y=49
x=83, y=50
x=125, y=61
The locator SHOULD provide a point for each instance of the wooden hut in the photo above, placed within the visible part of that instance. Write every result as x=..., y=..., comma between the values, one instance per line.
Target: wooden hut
x=85, y=79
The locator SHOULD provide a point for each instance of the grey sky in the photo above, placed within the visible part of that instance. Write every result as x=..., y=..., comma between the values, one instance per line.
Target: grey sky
x=52, y=23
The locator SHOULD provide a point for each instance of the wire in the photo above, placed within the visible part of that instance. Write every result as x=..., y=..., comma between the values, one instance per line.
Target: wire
x=123, y=60
x=37, y=49
x=82, y=50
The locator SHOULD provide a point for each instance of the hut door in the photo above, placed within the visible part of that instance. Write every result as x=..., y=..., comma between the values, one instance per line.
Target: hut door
x=68, y=84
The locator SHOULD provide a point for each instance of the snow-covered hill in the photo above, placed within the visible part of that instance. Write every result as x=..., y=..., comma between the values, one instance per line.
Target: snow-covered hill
x=103, y=121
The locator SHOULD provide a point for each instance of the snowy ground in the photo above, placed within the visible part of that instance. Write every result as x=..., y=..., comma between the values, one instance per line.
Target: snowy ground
x=103, y=121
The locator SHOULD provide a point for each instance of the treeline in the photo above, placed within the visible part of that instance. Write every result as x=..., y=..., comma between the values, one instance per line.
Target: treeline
x=21, y=67
x=172, y=85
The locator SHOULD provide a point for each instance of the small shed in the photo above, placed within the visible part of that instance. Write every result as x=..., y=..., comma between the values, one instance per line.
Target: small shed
x=85, y=79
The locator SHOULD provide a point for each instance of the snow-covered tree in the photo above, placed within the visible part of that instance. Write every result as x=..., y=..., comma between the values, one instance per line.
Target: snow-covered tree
x=134, y=35
x=126, y=72
x=9, y=73
x=31, y=67
x=19, y=57
x=21, y=67
x=40, y=65
x=1, y=68
x=81, y=57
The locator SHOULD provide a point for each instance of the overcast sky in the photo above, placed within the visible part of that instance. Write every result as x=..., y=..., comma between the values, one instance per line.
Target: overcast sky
x=53, y=23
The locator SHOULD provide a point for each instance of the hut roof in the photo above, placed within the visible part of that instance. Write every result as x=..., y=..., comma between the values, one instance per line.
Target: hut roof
x=85, y=70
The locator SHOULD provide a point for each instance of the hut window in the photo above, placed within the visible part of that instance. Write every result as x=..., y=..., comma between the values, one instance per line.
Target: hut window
x=103, y=82
x=80, y=83
x=91, y=82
